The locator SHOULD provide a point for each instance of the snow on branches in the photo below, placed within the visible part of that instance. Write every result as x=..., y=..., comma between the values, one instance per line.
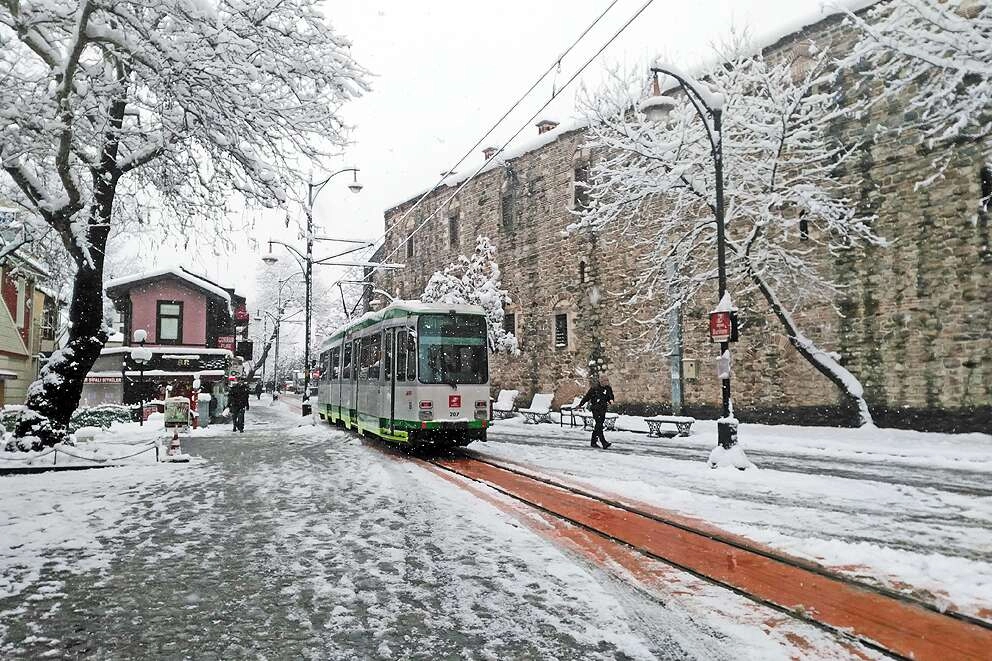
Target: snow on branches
x=934, y=59
x=476, y=281
x=784, y=210
x=112, y=107
x=196, y=103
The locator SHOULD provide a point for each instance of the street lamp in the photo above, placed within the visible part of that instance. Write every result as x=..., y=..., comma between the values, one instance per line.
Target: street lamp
x=141, y=355
x=312, y=191
x=708, y=105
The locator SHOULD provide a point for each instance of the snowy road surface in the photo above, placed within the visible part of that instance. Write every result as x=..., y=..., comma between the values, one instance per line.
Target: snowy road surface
x=303, y=542
x=903, y=509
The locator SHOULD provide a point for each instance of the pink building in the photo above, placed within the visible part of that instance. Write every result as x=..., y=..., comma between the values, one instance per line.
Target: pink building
x=192, y=325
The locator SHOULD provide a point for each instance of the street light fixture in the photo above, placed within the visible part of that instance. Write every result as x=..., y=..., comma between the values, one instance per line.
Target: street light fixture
x=708, y=106
x=312, y=191
x=141, y=355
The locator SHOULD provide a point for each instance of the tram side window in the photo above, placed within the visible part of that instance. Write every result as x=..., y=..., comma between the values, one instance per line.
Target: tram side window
x=374, y=355
x=346, y=366
x=387, y=354
x=324, y=359
x=401, y=355
x=361, y=363
x=411, y=354
x=335, y=366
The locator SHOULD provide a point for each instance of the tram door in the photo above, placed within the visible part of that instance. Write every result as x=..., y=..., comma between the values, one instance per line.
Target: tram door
x=387, y=396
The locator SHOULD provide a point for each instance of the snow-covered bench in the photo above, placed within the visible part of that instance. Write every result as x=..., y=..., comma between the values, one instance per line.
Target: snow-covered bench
x=682, y=423
x=589, y=420
x=540, y=409
x=503, y=406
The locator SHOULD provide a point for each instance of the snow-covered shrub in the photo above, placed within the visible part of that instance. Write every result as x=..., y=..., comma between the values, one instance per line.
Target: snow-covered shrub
x=102, y=416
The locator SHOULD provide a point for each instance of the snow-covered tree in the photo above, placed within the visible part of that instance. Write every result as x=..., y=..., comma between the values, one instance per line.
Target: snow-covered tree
x=784, y=212
x=117, y=106
x=933, y=58
x=476, y=280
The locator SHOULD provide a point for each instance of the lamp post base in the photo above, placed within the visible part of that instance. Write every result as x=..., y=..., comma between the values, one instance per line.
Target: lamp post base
x=728, y=451
x=726, y=433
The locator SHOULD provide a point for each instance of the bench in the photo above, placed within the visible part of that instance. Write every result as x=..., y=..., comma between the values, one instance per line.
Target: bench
x=682, y=423
x=589, y=421
x=503, y=406
x=539, y=411
x=570, y=410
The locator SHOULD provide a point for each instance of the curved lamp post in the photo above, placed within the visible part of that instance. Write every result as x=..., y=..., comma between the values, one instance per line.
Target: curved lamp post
x=307, y=265
x=709, y=107
x=141, y=355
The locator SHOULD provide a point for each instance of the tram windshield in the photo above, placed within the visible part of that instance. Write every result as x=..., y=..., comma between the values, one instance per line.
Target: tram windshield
x=452, y=349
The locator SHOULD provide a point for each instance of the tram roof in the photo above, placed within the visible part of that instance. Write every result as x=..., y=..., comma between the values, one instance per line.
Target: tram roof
x=399, y=309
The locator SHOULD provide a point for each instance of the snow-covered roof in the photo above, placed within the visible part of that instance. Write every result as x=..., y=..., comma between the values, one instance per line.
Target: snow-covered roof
x=129, y=281
x=398, y=308
x=501, y=158
x=171, y=350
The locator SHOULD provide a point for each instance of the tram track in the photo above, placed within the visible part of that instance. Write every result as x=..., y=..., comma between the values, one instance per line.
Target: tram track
x=891, y=622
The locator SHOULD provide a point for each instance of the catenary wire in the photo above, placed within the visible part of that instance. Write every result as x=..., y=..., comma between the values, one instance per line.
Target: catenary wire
x=464, y=183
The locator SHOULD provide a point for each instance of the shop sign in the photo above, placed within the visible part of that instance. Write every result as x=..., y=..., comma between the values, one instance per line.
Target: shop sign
x=102, y=379
x=226, y=342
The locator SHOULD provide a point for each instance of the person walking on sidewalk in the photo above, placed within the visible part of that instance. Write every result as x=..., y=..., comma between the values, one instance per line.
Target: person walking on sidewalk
x=599, y=397
x=239, y=404
x=258, y=390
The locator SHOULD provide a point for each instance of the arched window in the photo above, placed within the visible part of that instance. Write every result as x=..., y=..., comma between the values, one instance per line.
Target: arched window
x=582, y=271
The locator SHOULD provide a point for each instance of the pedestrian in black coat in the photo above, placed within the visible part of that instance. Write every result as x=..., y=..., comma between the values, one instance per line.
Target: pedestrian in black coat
x=238, y=394
x=599, y=397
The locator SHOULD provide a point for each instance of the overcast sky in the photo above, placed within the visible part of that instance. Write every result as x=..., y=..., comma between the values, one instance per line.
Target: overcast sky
x=444, y=70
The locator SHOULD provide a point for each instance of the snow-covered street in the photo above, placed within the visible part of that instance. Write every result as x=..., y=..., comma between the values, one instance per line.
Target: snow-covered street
x=302, y=541
x=904, y=509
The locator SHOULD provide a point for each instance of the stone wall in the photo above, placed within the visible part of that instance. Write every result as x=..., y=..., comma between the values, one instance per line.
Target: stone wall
x=911, y=320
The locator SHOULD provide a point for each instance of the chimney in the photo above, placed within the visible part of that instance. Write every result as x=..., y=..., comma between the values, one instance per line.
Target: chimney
x=545, y=125
x=488, y=152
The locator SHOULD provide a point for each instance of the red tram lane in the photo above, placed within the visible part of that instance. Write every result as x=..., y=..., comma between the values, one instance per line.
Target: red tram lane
x=898, y=626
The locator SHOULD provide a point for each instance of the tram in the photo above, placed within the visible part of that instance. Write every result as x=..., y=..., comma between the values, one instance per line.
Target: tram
x=411, y=373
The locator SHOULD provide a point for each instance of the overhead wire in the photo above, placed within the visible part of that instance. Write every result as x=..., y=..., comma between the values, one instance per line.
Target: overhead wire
x=523, y=126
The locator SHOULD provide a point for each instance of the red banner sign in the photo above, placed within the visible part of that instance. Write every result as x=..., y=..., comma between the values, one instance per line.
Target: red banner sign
x=721, y=327
x=226, y=342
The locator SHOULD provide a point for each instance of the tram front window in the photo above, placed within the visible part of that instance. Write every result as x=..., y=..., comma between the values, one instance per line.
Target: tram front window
x=452, y=349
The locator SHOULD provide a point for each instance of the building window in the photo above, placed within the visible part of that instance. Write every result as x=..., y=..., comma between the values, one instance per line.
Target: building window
x=580, y=187
x=561, y=330
x=510, y=323
x=454, y=241
x=582, y=272
x=49, y=319
x=506, y=210
x=169, y=322
x=803, y=227
x=21, y=301
x=409, y=246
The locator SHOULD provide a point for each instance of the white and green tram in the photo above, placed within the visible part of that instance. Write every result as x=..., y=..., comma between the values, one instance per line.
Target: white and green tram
x=412, y=372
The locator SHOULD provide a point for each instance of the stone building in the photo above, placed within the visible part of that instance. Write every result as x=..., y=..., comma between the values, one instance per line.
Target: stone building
x=912, y=320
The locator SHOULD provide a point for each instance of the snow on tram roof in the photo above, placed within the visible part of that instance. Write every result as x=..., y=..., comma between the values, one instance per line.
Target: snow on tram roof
x=400, y=308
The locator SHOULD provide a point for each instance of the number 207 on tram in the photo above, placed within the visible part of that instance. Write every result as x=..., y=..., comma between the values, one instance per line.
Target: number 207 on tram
x=411, y=373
